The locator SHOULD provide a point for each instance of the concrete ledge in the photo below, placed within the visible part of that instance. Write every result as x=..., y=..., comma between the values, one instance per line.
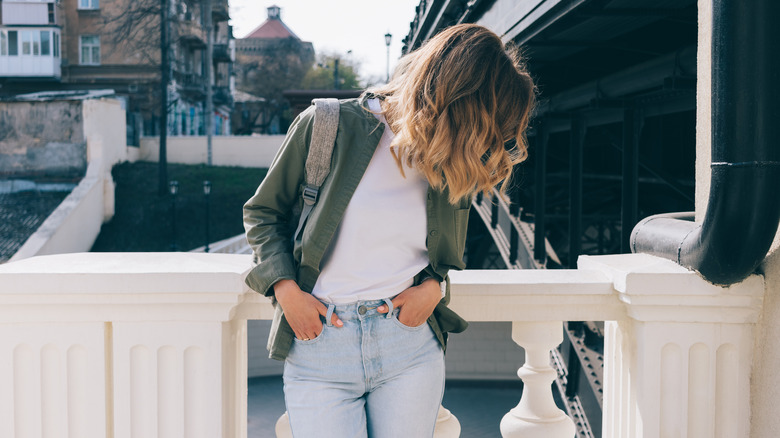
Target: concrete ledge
x=72, y=226
x=240, y=151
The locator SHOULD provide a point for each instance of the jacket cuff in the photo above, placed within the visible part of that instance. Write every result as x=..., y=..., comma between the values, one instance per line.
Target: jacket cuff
x=270, y=271
x=428, y=273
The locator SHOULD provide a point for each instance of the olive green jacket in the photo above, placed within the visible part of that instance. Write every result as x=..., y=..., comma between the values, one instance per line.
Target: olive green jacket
x=269, y=217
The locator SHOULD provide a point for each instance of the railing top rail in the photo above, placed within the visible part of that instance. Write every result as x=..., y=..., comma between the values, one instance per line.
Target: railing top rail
x=118, y=273
x=534, y=295
x=165, y=286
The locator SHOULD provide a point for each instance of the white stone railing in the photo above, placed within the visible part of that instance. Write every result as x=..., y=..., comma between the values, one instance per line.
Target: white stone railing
x=231, y=245
x=154, y=345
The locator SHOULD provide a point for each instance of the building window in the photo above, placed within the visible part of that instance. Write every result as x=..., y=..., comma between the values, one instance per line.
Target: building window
x=45, y=37
x=88, y=4
x=13, y=43
x=31, y=42
x=89, y=49
x=56, y=44
x=36, y=43
x=51, y=13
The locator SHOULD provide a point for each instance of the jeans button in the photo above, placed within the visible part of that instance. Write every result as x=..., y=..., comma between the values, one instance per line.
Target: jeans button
x=362, y=310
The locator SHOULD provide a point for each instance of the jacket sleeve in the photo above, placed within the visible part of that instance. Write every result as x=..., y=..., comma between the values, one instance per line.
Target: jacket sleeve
x=268, y=214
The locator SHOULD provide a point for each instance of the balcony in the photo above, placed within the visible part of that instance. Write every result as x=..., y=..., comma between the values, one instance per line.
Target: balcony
x=189, y=83
x=219, y=11
x=222, y=53
x=222, y=96
x=25, y=13
x=156, y=343
x=29, y=52
x=192, y=34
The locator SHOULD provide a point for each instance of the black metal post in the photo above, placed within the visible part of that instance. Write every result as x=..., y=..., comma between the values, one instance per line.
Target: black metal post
x=207, y=194
x=632, y=128
x=540, y=181
x=174, y=189
x=494, y=214
x=388, y=38
x=206, y=4
x=336, y=82
x=164, y=79
x=514, y=243
x=577, y=139
x=574, y=369
x=514, y=192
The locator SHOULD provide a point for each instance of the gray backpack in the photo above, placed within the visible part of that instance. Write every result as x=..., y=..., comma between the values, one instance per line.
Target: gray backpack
x=323, y=138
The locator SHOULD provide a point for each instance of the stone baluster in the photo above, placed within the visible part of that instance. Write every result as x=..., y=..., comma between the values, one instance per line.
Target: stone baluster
x=537, y=415
x=679, y=363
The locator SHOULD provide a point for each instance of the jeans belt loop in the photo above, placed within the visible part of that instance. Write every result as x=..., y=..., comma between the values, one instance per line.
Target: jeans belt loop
x=329, y=315
x=389, y=303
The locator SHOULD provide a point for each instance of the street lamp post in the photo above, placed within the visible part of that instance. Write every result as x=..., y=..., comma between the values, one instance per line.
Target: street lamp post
x=207, y=194
x=173, y=186
x=165, y=76
x=388, y=37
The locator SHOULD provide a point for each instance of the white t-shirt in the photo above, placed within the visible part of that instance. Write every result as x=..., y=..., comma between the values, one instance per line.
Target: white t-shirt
x=380, y=244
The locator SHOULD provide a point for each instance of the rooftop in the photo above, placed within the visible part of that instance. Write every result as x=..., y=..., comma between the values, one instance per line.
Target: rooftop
x=273, y=27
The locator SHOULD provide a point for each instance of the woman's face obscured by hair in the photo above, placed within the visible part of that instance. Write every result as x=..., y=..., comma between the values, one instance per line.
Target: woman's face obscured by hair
x=459, y=99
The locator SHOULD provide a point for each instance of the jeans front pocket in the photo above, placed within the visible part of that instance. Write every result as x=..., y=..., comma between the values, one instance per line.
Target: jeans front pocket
x=404, y=326
x=314, y=339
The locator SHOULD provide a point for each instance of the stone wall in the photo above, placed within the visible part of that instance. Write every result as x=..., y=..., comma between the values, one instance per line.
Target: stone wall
x=42, y=138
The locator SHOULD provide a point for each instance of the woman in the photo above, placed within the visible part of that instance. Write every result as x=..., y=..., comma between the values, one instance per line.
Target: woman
x=361, y=317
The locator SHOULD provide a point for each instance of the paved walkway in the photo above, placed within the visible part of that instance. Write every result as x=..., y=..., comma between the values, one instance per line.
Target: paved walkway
x=479, y=406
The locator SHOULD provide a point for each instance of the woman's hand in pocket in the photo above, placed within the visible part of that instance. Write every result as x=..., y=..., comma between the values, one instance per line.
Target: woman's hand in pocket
x=302, y=310
x=416, y=303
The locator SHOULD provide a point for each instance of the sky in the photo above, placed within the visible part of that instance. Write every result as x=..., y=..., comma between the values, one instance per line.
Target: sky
x=337, y=26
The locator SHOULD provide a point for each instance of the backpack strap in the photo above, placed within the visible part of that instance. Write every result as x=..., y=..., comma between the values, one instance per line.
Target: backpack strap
x=323, y=139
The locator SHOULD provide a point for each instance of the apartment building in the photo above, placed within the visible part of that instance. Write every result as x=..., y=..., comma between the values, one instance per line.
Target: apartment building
x=94, y=44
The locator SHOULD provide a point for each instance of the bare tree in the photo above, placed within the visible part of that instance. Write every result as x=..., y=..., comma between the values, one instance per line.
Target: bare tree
x=135, y=27
x=279, y=66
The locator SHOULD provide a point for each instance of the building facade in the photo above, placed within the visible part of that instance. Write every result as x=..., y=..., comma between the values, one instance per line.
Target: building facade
x=89, y=44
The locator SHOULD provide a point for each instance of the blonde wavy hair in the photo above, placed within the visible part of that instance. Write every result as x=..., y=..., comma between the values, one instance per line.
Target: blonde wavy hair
x=459, y=107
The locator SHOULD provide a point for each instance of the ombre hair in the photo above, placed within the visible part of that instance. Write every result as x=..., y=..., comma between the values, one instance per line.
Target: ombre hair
x=459, y=107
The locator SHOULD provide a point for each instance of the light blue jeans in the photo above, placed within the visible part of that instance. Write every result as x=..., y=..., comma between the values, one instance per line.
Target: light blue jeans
x=374, y=377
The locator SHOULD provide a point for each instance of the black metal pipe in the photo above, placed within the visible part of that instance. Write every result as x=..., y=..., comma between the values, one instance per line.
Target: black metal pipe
x=743, y=212
x=540, y=201
x=575, y=189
